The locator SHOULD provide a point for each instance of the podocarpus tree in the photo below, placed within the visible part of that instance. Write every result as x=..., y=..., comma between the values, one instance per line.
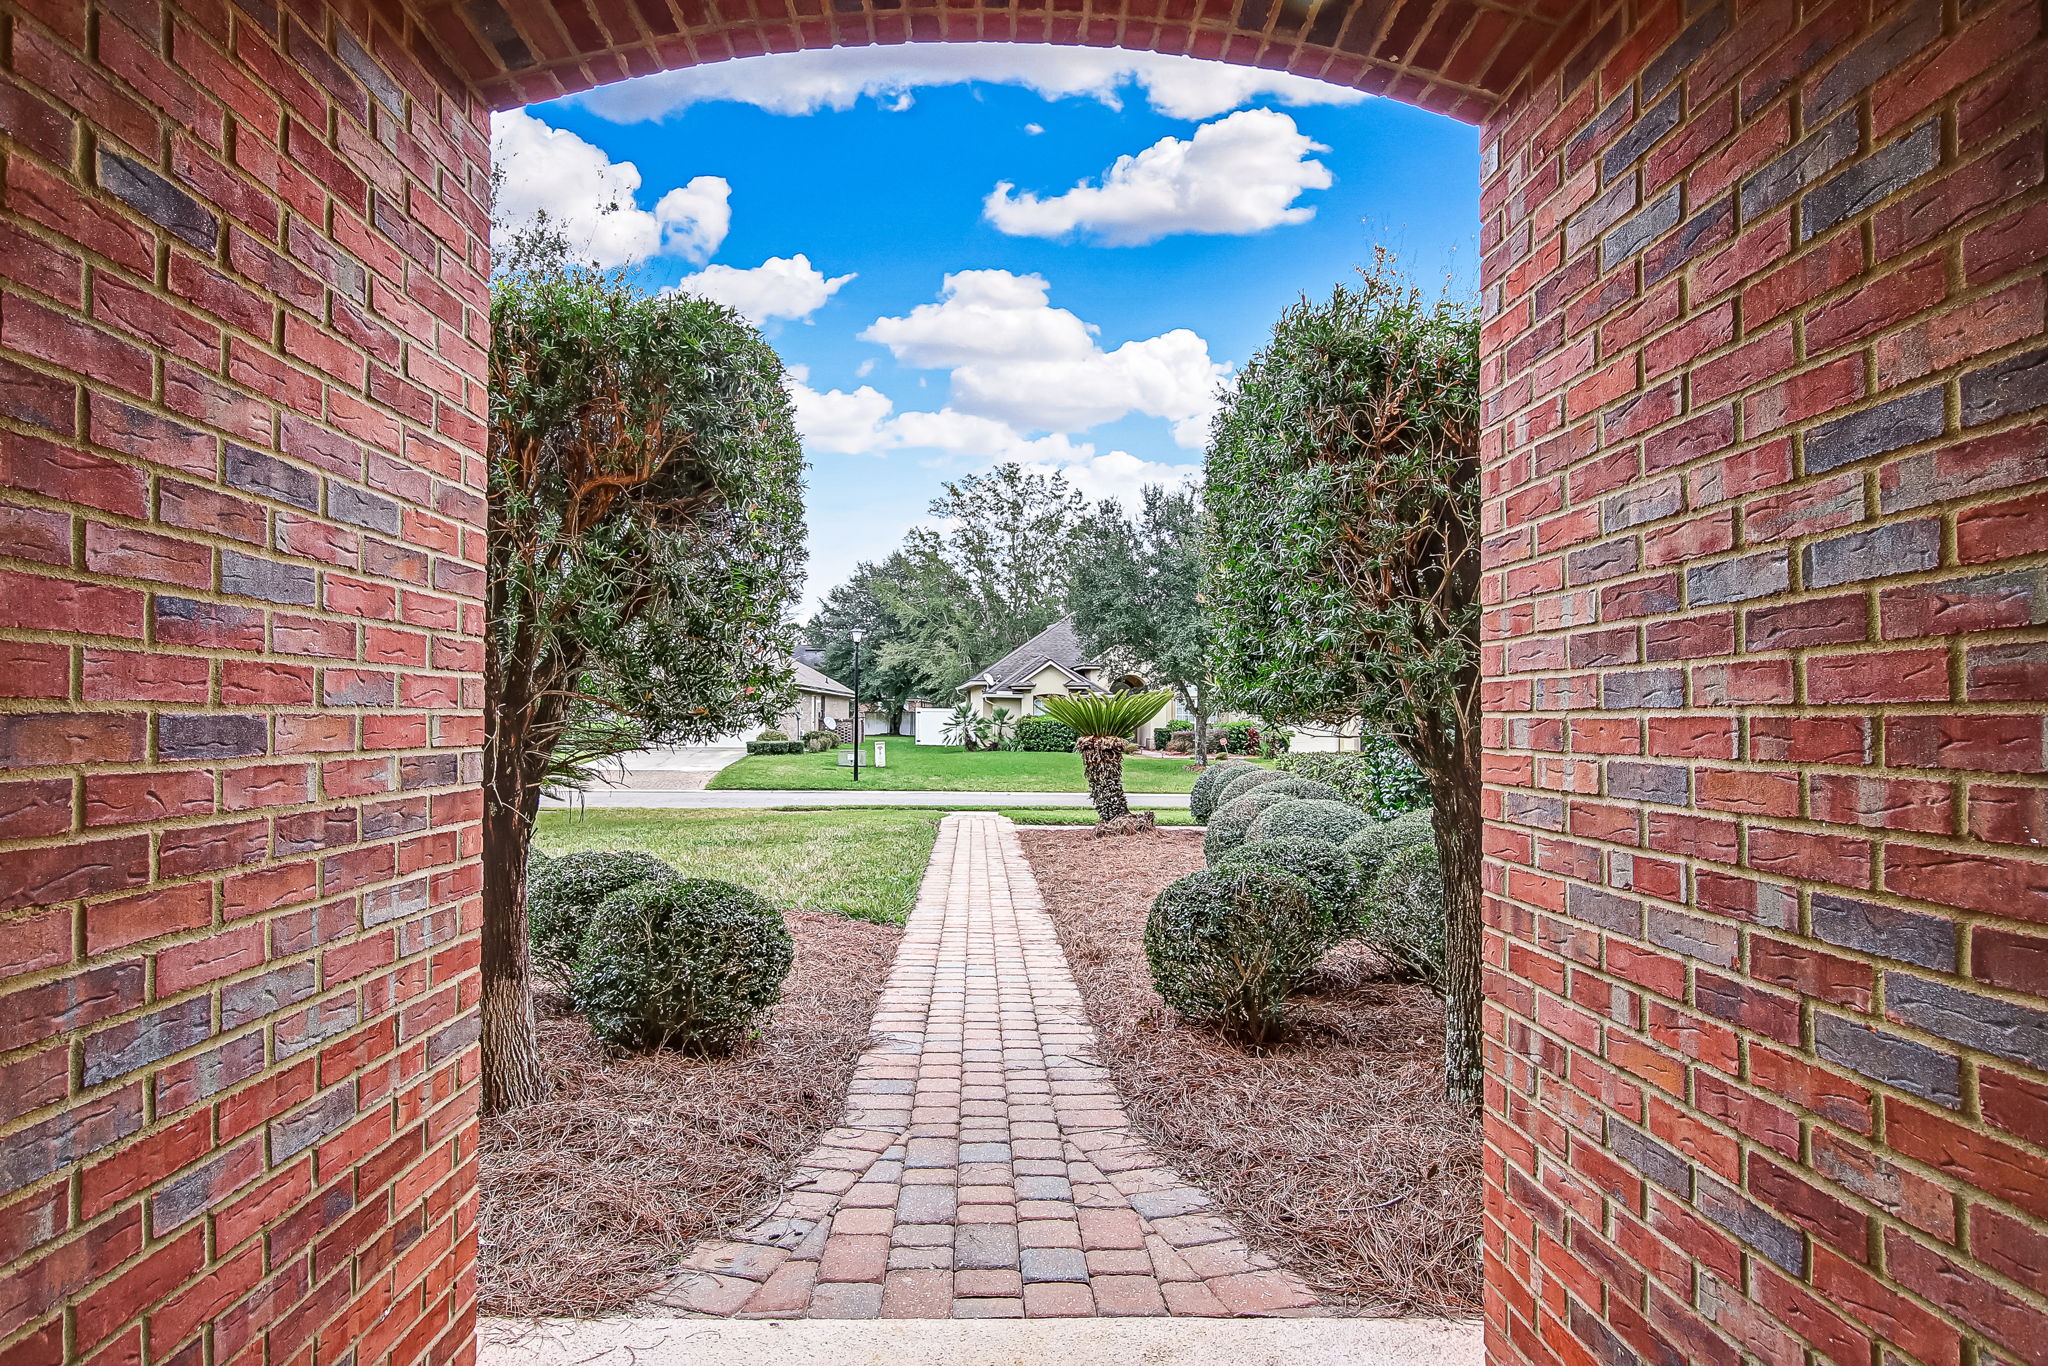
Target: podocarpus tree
x=1343, y=489
x=1101, y=721
x=1137, y=594
x=645, y=545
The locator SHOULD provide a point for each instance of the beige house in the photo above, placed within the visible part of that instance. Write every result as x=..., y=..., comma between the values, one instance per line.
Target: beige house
x=1052, y=663
x=821, y=703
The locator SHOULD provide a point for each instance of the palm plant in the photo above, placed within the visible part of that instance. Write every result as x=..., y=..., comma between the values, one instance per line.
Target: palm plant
x=962, y=727
x=1102, y=720
x=1001, y=728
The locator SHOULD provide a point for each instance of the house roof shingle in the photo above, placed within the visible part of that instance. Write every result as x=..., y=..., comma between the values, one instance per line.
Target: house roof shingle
x=810, y=680
x=1060, y=643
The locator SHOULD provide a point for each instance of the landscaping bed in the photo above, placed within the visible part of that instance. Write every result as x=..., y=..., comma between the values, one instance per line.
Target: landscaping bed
x=1334, y=1151
x=590, y=1198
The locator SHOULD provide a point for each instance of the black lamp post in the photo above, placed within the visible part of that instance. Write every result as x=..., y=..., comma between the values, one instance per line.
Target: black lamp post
x=857, y=633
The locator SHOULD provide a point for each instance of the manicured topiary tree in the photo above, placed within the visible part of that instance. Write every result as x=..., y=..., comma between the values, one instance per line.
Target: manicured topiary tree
x=1231, y=825
x=1244, y=781
x=684, y=963
x=1302, y=789
x=644, y=538
x=563, y=893
x=1102, y=721
x=1404, y=910
x=1319, y=819
x=1229, y=947
x=1331, y=874
x=1209, y=783
x=1373, y=845
x=1343, y=490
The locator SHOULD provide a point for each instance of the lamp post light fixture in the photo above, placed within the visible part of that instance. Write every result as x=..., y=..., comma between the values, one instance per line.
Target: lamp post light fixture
x=858, y=635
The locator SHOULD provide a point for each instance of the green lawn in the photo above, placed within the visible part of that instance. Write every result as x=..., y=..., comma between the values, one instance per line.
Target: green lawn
x=1035, y=815
x=945, y=768
x=862, y=862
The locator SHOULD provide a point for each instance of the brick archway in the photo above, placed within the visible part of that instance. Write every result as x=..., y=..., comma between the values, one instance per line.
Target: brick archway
x=1767, y=645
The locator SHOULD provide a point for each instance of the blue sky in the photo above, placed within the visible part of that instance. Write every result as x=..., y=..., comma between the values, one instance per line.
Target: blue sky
x=1094, y=306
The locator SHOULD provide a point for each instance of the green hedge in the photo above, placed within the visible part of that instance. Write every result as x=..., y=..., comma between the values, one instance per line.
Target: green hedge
x=775, y=747
x=1044, y=735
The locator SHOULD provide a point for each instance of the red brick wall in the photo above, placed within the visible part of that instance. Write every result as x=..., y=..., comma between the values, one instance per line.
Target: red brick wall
x=241, y=355
x=1767, y=414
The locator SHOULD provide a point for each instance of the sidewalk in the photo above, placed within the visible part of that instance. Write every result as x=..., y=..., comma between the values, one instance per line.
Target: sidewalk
x=745, y=798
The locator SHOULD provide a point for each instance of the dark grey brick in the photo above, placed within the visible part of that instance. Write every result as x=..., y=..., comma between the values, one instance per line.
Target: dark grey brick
x=1889, y=169
x=1702, y=33
x=1607, y=209
x=1908, y=936
x=374, y=79
x=1054, y=1264
x=1904, y=421
x=1901, y=36
x=1643, y=688
x=210, y=735
x=300, y=1130
x=310, y=831
x=455, y=577
x=191, y=1193
x=255, y=472
x=2016, y=385
x=985, y=1247
x=1858, y=556
x=33, y=1153
x=316, y=1024
x=395, y=902
x=1889, y=1058
x=1528, y=808
x=1597, y=906
x=444, y=1044
x=1975, y=1020
x=359, y=507
x=1659, y=119
x=248, y=576
x=256, y=997
x=1709, y=941
x=214, y=1071
x=427, y=770
x=1740, y=579
x=396, y=818
x=1644, y=503
x=1656, y=218
x=1661, y=1164
x=158, y=200
x=1607, y=560
x=1800, y=165
x=1753, y=1224
x=1709, y=227
x=120, y=1049
x=1663, y=784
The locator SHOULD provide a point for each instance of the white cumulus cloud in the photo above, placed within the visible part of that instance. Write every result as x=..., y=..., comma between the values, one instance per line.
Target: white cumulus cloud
x=805, y=82
x=1118, y=475
x=780, y=287
x=865, y=422
x=1015, y=358
x=1238, y=175
x=595, y=201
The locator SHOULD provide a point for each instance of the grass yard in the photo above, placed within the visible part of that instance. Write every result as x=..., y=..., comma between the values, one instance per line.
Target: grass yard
x=944, y=768
x=1034, y=815
x=861, y=862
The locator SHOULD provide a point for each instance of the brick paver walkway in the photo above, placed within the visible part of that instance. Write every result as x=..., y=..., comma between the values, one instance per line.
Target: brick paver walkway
x=985, y=1168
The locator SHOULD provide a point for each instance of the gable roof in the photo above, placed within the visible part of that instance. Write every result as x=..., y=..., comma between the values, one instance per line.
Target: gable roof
x=1058, y=644
x=810, y=680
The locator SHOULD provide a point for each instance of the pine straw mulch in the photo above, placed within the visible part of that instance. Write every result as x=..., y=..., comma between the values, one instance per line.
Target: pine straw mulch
x=1334, y=1151
x=592, y=1197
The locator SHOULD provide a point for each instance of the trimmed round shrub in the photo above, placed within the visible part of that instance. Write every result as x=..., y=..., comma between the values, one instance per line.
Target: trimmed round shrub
x=1229, y=947
x=1043, y=735
x=771, y=735
x=1303, y=789
x=1330, y=873
x=1231, y=824
x=1209, y=783
x=684, y=963
x=1404, y=910
x=1372, y=846
x=817, y=741
x=563, y=893
x=1315, y=819
x=1237, y=784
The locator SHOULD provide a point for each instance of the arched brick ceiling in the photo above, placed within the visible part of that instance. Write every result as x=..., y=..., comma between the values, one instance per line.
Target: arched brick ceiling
x=1453, y=56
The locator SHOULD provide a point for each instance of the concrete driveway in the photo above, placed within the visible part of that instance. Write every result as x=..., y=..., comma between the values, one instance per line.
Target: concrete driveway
x=682, y=768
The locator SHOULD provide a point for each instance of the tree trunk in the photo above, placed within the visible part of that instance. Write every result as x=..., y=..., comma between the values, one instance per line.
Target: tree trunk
x=1454, y=791
x=1102, y=756
x=1201, y=735
x=511, y=1057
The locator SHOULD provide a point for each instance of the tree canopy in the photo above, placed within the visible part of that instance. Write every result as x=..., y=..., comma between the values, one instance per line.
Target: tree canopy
x=645, y=545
